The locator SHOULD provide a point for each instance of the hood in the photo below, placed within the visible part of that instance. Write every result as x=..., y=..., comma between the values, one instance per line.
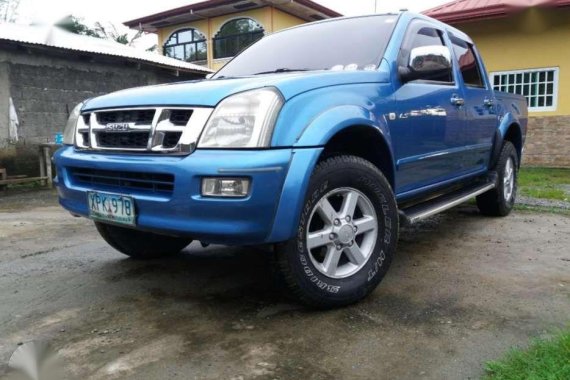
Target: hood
x=209, y=92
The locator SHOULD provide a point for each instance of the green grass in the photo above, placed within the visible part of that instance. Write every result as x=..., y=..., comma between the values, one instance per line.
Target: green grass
x=542, y=209
x=547, y=359
x=25, y=186
x=544, y=183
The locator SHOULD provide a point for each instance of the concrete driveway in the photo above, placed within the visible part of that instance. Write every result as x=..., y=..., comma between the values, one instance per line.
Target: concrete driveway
x=462, y=290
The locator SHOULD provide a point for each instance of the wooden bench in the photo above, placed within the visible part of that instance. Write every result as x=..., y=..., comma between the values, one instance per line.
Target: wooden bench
x=3, y=177
x=46, y=176
x=16, y=179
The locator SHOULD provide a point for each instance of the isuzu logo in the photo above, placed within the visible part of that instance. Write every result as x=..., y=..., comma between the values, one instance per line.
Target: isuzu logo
x=117, y=127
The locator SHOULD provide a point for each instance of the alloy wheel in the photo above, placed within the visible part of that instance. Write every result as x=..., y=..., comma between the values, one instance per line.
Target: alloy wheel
x=509, y=179
x=342, y=233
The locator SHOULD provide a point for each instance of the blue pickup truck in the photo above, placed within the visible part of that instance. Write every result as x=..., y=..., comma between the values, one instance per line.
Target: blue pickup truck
x=320, y=141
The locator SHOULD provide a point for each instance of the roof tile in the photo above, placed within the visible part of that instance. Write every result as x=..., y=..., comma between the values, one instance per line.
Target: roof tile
x=469, y=10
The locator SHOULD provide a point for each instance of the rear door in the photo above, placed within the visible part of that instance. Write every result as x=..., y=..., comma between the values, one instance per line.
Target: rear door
x=480, y=109
x=427, y=125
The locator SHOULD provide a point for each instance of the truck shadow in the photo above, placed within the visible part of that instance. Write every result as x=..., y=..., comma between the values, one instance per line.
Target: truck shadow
x=246, y=276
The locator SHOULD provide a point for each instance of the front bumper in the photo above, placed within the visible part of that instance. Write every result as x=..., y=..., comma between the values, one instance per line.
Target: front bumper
x=277, y=175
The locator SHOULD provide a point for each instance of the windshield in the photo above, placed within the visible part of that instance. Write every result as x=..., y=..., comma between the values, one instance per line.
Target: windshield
x=345, y=44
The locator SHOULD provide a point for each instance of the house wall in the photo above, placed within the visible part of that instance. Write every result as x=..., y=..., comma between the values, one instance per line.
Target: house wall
x=270, y=18
x=535, y=38
x=45, y=87
x=282, y=20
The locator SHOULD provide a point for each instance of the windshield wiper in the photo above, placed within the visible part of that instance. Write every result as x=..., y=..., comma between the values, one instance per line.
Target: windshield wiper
x=282, y=70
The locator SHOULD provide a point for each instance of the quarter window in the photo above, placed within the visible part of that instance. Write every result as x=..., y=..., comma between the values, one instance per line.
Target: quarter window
x=186, y=45
x=468, y=64
x=236, y=35
x=538, y=86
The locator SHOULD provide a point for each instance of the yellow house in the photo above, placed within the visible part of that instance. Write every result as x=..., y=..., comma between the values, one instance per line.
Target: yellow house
x=211, y=32
x=525, y=49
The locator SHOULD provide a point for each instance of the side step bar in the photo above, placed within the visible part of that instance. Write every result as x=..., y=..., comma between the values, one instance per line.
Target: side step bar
x=421, y=211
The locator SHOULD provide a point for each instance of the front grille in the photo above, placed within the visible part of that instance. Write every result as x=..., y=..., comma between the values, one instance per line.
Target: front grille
x=171, y=139
x=157, y=183
x=151, y=130
x=138, y=117
x=86, y=138
x=122, y=140
x=180, y=117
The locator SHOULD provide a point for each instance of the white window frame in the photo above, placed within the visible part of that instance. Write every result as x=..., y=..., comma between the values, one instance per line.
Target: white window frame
x=556, y=71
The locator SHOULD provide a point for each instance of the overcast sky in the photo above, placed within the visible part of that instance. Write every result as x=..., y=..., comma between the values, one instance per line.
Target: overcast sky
x=118, y=11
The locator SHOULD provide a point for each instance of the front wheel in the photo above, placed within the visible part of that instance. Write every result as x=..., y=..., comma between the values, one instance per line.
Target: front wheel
x=139, y=244
x=346, y=237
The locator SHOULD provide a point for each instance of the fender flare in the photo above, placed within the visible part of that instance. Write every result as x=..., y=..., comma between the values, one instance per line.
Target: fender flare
x=307, y=151
x=507, y=122
x=330, y=122
x=342, y=118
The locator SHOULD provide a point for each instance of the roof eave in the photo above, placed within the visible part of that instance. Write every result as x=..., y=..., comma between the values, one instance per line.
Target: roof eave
x=35, y=45
x=211, y=4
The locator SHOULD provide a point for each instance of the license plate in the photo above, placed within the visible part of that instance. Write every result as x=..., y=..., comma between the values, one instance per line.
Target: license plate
x=114, y=208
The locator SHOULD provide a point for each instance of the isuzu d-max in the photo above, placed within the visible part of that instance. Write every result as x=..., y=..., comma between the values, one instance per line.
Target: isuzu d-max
x=320, y=140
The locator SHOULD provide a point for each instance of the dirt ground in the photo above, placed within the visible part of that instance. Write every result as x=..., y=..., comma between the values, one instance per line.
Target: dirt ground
x=462, y=290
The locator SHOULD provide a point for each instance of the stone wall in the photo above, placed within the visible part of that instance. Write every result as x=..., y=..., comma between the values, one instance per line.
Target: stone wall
x=46, y=84
x=548, y=141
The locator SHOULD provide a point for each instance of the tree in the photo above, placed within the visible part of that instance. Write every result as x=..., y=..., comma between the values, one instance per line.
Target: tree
x=75, y=25
x=110, y=32
x=9, y=10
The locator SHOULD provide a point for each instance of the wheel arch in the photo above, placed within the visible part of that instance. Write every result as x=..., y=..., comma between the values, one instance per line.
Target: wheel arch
x=365, y=142
x=512, y=132
x=514, y=135
x=355, y=130
x=332, y=138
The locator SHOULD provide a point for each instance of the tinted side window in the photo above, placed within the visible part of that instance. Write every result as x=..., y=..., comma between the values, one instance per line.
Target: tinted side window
x=470, y=70
x=426, y=36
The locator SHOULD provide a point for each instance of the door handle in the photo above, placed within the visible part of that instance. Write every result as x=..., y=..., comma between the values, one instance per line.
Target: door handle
x=488, y=102
x=457, y=101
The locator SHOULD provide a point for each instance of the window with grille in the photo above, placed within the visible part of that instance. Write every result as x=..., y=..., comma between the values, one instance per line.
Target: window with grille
x=538, y=86
x=186, y=45
x=236, y=35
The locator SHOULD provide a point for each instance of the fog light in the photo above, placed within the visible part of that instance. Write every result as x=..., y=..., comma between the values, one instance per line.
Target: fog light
x=225, y=187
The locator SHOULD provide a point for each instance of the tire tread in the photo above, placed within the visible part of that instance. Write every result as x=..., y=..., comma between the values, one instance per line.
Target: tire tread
x=285, y=272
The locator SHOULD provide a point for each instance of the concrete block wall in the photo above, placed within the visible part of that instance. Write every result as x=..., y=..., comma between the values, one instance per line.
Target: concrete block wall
x=548, y=142
x=45, y=86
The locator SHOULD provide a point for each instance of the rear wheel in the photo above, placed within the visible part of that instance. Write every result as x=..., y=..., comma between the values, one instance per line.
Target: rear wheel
x=346, y=237
x=139, y=244
x=501, y=200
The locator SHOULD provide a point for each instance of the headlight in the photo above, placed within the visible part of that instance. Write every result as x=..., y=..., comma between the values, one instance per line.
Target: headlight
x=69, y=133
x=244, y=120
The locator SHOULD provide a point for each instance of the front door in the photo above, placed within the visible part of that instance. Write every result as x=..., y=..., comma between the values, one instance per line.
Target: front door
x=428, y=121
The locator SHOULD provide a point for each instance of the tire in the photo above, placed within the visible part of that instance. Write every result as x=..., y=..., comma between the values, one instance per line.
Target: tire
x=141, y=245
x=310, y=274
x=500, y=200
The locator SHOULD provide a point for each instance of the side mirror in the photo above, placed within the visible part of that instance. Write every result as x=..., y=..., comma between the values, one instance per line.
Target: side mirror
x=428, y=63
